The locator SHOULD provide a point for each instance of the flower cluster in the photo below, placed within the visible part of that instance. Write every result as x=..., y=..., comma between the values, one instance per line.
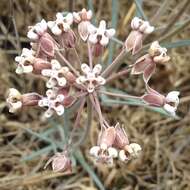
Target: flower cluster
x=70, y=81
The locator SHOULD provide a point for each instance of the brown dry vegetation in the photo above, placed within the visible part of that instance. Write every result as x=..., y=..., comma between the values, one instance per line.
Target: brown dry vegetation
x=164, y=163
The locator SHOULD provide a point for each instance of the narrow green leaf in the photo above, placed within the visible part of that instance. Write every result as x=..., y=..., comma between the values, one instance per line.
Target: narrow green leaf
x=78, y=155
x=115, y=8
x=91, y=7
x=180, y=43
x=140, y=13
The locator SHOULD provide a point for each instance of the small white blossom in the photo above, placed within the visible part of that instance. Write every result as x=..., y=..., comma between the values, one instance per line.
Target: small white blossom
x=100, y=34
x=83, y=19
x=53, y=102
x=141, y=25
x=134, y=149
x=158, y=53
x=61, y=24
x=103, y=153
x=91, y=77
x=37, y=30
x=172, y=102
x=55, y=74
x=14, y=100
x=25, y=61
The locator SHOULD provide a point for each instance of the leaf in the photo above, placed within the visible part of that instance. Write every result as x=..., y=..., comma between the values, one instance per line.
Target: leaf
x=91, y=7
x=78, y=155
x=180, y=43
x=140, y=12
x=115, y=8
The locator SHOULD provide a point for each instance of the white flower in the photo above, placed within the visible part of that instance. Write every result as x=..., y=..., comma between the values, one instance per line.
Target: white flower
x=37, y=30
x=100, y=34
x=25, y=61
x=61, y=23
x=82, y=15
x=141, y=25
x=53, y=102
x=103, y=153
x=172, y=102
x=91, y=77
x=14, y=100
x=83, y=19
x=158, y=53
x=133, y=149
x=55, y=74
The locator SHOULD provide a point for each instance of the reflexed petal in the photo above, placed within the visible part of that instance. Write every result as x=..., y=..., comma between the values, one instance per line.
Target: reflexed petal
x=62, y=81
x=83, y=30
x=140, y=65
x=154, y=99
x=149, y=72
x=47, y=45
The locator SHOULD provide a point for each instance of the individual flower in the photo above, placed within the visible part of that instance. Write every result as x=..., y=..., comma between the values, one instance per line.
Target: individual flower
x=104, y=152
x=53, y=102
x=61, y=27
x=55, y=74
x=101, y=34
x=60, y=162
x=61, y=24
x=91, y=77
x=147, y=63
x=16, y=100
x=44, y=43
x=122, y=142
x=139, y=29
x=36, y=31
x=83, y=19
x=169, y=102
x=27, y=62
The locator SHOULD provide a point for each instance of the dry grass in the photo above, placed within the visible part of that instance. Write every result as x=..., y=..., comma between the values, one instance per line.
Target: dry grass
x=164, y=163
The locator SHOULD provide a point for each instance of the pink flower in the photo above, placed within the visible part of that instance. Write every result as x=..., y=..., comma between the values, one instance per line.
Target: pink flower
x=83, y=19
x=169, y=102
x=147, y=63
x=104, y=152
x=60, y=162
x=16, y=100
x=139, y=28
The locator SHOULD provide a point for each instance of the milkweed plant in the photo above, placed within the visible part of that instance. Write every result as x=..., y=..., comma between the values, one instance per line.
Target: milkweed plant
x=69, y=80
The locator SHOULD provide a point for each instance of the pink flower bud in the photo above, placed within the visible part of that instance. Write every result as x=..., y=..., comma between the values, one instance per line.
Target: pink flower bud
x=60, y=162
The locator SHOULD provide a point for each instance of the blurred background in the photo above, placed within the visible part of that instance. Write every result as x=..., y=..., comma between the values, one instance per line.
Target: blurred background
x=24, y=146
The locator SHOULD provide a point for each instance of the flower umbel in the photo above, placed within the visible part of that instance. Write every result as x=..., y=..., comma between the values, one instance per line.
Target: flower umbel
x=55, y=58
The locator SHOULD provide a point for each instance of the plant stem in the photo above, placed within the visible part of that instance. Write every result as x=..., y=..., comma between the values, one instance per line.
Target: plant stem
x=90, y=55
x=68, y=63
x=77, y=55
x=120, y=95
x=119, y=74
x=114, y=64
